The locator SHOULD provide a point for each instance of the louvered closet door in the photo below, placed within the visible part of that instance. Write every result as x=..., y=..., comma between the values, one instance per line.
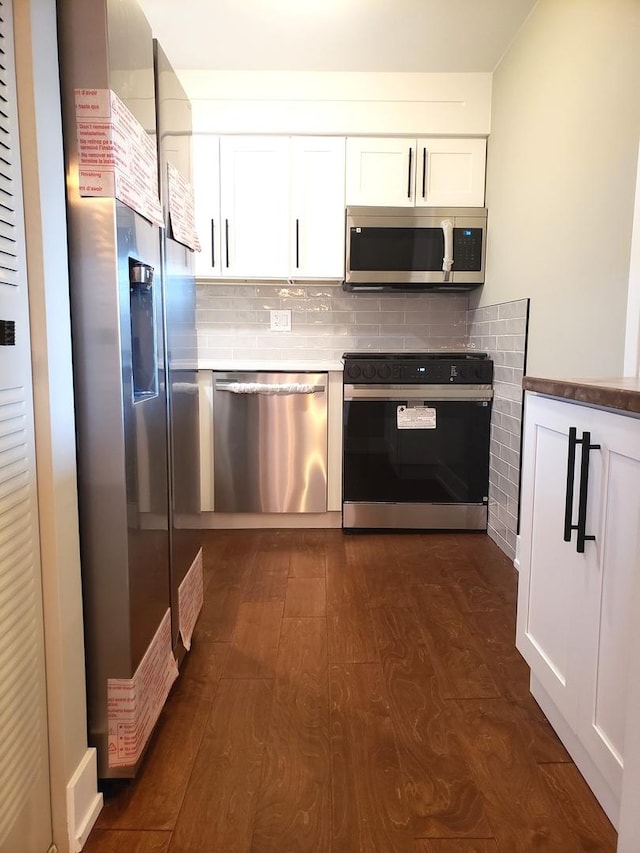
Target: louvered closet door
x=25, y=817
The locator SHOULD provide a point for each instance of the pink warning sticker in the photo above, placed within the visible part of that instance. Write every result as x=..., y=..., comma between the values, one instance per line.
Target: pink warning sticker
x=190, y=598
x=181, y=209
x=117, y=157
x=134, y=704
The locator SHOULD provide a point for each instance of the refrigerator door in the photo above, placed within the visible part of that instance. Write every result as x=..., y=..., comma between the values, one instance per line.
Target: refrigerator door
x=121, y=399
x=174, y=131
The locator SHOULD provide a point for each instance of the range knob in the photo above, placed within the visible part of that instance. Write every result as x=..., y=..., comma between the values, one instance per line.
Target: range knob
x=384, y=371
x=368, y=371
x=353, y=371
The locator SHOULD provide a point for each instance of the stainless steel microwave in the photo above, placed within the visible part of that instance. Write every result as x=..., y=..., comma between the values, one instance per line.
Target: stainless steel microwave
x=408, y=249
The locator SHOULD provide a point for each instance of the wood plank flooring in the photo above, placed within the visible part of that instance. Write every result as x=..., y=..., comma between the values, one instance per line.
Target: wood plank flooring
x=354, y=694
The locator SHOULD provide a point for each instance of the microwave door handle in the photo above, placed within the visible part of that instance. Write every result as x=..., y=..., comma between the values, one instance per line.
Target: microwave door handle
x=447, y=260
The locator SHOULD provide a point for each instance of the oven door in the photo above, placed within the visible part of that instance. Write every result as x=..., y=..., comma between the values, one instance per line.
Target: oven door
x=416, y=456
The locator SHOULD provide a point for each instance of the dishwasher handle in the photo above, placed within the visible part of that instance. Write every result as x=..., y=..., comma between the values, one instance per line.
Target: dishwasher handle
x=269, y=388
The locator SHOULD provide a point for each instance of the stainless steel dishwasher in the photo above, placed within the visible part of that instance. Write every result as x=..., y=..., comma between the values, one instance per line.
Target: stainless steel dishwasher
x=270, y=442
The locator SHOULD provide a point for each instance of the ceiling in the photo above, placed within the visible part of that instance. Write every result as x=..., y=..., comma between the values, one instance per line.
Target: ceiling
x=336, y=35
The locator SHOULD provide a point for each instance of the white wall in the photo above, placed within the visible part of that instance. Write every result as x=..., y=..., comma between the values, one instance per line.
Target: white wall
x=338, y=103
x=561, y=181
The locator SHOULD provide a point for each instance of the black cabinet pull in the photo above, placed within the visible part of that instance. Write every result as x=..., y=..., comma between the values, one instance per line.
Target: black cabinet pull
x=583, y=489
x=213, y=243
x=297, y=243
x=226, y=240
x=587, y=447
x=571, y=466
x=424, y=171
x=409, y=175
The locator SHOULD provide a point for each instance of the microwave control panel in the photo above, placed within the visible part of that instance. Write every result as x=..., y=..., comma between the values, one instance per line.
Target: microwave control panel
x=467, y=249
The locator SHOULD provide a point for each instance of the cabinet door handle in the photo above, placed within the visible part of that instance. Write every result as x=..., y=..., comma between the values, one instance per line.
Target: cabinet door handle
x=213, y=243
x=226, y=241
x=571, y=466
x=409, y=172
x=587, y=447
x=583, y=489
x=297, y=243
x=424, y=171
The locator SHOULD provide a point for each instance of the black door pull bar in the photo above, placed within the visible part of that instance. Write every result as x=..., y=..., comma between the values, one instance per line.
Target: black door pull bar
x=583, y=489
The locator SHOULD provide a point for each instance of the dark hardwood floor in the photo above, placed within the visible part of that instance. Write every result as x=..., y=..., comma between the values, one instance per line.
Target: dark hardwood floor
x=354, y=694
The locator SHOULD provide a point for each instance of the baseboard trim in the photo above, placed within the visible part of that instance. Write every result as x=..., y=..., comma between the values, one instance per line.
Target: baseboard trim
x=274, y=520
x=84, y=802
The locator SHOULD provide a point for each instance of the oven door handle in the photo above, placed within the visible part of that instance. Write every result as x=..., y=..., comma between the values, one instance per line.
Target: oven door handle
x=417, y=393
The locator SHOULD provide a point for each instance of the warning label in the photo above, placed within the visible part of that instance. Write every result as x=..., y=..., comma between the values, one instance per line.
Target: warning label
x=117, y=157
x=134, y=704
x=181, y=210
x=190, y=598
x=416, y=417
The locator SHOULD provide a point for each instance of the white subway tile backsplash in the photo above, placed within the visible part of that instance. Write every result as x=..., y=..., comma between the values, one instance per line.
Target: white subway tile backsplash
x=501, y=331
x=518, y=308
x=328, y=319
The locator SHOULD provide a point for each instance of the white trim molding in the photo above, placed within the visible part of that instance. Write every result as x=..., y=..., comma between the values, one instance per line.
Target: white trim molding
x=84, y=802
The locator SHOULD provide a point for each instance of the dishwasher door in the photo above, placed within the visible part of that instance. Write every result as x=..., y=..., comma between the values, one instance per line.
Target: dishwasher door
x=270, y=442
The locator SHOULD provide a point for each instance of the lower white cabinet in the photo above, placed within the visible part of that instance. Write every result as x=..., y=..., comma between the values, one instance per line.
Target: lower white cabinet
x=575, y=620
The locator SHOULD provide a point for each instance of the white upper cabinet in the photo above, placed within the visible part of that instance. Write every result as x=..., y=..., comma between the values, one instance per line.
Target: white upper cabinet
x=450, y=172
x=408, y=172
x=206, y=192
x=317, y=207
x=381, y=171
x=270, y=207
x=254, y=206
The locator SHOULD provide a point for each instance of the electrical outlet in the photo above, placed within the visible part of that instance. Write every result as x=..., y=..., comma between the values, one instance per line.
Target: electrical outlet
x=280, y=321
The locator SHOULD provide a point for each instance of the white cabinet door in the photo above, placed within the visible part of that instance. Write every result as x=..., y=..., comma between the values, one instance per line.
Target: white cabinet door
x=574, y=623
x=549, y=566
x=451, y=172
x=254, y=206
x=424, y=172
x=317, y=207
x=380, y=171
x=608, y=616
x=206, y=191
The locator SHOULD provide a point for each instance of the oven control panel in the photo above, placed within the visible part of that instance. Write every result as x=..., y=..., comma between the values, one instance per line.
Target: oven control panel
x=417, y=370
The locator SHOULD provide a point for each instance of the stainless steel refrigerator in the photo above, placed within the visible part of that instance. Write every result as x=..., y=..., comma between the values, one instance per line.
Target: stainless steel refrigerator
x=123, y=400
x=174, y=133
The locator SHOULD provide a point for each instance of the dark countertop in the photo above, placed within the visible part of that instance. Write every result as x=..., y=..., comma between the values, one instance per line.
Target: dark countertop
x=616, y=393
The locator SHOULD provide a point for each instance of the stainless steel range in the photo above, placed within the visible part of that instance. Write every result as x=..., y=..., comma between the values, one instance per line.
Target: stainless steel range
x=416, y=440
